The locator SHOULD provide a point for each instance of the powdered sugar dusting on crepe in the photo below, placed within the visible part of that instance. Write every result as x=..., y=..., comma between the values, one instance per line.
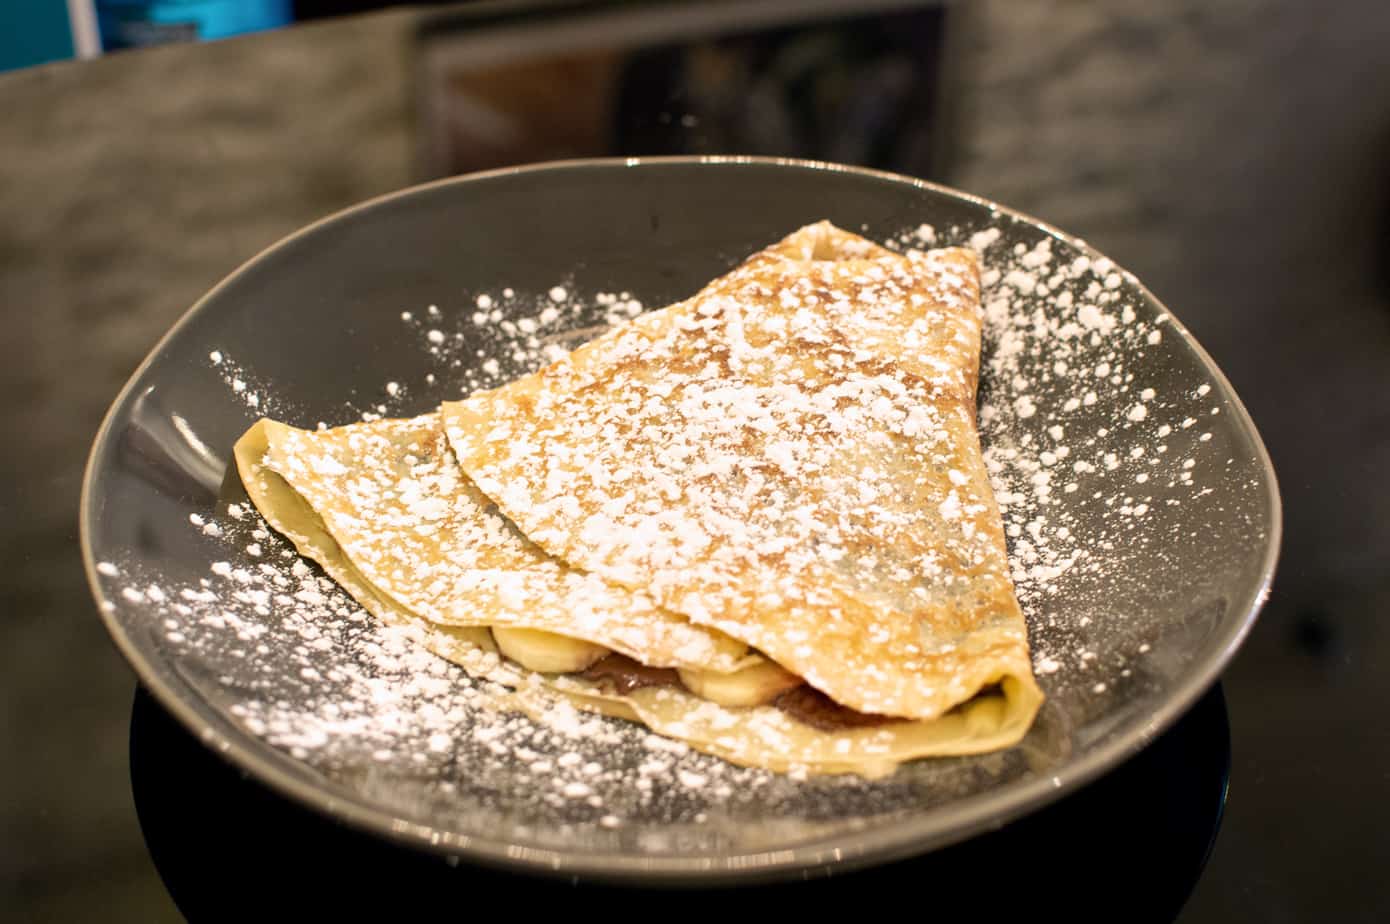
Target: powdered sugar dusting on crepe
x=412, y=523
x=788, y=457
x=301, y=665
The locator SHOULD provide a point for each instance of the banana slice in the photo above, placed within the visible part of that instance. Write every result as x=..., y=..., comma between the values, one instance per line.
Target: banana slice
x=751, y=686
x=546, y=652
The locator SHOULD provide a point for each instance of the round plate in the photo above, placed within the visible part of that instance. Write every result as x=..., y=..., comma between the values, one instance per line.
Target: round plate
x=1141, y=507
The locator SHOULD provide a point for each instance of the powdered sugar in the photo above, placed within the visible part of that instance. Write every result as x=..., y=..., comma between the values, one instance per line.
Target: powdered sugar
x=498, y=335
x=721, y=446
x=1072, y=310
x=1069, y=409
x=298, y=664
x=302, y=666
x=244, y=386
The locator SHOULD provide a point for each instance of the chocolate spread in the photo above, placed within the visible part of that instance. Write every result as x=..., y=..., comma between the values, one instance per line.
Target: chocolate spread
x=617, y=673
x=810, y=706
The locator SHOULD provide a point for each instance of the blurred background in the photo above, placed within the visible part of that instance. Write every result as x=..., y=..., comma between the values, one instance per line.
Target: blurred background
x=1235, y=156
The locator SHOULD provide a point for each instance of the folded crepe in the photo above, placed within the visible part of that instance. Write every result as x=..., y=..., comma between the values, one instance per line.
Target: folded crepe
x=418, y=532
x=757, y=521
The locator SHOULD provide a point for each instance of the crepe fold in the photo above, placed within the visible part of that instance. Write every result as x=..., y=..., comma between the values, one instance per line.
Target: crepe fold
x=784, y=468
x=414, y=528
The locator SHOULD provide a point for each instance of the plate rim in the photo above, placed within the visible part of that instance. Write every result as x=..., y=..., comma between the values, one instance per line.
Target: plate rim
x=943, y=825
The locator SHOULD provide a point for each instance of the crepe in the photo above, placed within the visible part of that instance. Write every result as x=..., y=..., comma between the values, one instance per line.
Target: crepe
x=810, y=415
x=414, y=529
x=768, y=737
x=789, y=457
x=288, y=513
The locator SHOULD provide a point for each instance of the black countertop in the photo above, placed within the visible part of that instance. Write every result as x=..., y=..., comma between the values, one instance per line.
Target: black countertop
x=1237, y=159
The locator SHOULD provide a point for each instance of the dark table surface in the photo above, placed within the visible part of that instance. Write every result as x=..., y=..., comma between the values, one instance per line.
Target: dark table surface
x=1236, y=157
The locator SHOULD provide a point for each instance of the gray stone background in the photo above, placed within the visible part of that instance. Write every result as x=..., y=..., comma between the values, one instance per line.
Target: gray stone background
x=131, y=185
x=1217, y=150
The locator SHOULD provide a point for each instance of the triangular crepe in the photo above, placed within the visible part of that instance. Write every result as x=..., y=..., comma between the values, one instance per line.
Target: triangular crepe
x=848, y=374
x=789, y=457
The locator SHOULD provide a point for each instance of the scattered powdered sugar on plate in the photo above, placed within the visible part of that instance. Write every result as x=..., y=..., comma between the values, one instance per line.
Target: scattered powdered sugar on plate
x=1087, y=449
x=244, y=385
x=299, y=664
x=500, y=335
x=1084, y=449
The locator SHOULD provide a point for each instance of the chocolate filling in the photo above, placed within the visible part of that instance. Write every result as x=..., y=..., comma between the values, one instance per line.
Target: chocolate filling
x=615, y=673
x=810, y=706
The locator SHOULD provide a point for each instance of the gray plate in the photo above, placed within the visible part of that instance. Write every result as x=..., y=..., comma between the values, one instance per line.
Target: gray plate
x=1172, y=548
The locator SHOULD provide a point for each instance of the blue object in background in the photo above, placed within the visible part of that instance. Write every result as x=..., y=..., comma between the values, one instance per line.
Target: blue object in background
x=136, y=23
x=32, y=32
x=37, y=31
